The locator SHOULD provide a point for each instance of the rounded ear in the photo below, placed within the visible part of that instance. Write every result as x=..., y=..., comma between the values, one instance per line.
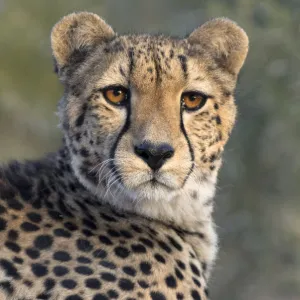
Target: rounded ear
x=78, y=32
x=225, y=40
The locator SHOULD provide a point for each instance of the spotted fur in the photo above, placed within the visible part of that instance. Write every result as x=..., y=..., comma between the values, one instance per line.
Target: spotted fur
x=93, y=221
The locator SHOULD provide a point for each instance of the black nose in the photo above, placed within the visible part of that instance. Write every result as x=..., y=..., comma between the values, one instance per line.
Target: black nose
x=154, y=155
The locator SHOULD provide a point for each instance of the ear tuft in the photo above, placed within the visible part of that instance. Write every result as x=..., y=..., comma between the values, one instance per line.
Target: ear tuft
x=75, y=32
x=227, y=42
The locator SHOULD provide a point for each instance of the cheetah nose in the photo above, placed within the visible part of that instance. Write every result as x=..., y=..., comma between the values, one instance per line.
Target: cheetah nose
x=155, y=155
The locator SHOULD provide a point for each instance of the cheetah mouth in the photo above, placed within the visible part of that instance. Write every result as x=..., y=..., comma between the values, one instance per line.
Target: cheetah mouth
x=155, y=182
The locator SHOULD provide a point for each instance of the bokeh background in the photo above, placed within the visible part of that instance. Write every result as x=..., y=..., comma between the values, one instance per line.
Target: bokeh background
x=258, y=200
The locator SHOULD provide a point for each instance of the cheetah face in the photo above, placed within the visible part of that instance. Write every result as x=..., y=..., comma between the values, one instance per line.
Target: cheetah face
x=147, y=116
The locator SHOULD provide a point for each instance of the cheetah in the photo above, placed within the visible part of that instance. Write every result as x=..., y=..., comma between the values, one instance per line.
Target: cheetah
x=123, y=210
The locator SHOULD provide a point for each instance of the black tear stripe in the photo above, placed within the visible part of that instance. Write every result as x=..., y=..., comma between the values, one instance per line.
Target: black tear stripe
x=113, y=150
x=190, y=148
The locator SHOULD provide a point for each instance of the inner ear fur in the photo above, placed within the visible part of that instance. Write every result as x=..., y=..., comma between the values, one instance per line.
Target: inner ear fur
x=78, y=31
x=227, y=42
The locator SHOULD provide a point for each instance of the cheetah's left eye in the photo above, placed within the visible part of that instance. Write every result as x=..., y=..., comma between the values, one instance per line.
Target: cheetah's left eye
x=116, y=95
x=193, y=100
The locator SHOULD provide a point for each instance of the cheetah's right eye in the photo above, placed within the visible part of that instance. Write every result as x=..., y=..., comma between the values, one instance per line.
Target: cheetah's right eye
x=116, y=95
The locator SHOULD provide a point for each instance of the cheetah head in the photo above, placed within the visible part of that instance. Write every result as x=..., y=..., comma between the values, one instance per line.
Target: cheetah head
x=147, y=117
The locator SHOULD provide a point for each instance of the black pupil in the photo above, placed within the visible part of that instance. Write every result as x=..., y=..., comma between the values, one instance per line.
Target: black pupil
x=117, y=93
x=194, y=97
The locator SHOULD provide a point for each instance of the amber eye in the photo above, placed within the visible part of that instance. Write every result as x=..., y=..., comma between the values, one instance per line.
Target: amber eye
x=193, y=100
x=116, y=94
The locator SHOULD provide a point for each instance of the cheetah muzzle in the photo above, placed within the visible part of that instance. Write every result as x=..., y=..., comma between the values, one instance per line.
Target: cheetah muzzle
x=124, y=209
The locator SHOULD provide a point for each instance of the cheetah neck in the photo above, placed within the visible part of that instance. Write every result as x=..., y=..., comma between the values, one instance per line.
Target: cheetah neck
x=189, y=212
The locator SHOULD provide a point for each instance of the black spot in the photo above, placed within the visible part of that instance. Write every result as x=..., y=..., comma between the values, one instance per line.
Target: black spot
x=55, y=215
x=138, y=248
x=28, y=283
x=179, y=274
x=107, y=264
x=12, y=235
x=60, y=232
x=84, y=152
x=7, y=287
x=147, y=242
x=34, y=217
x=159, y=258
x=218, y=120
x=39, y=270
x=183, y=62
x=87, y=233
x=126, y=284
x=93, y=283
x=105, y=240
x=14, y=204
x=136, y=228
x=126, y=234
x=113, y=233
x=43, y=242
x=129, y=270
x=216, y=106
x=195, y=295
x=83, y=260
x=32, y=253
x=2, y=209
x=108, y=277
x=73, y=297
x=122, y=252
x=13, y=246
x=99, y=253
x=157, y=296
x=164, y=246
x=71, y=226
x=180, y=264
x=60, y=270
x=29, y=227
x=175, y=243
x=84, y=245
x=212, y=158
x=112, y=294
x=49, y=284
x=9, y=269
x=145, y=267
x=206, y=292
x=194, y=269
x=171, y=281
x=81, y=117
x=108, y=218
x=100, y=297
x=68, y=284
x=197, y=282
x=3, y=224
x=18, y=260
x=84, y=270
x=61, y=256
x=143, y=284
x=179, y=296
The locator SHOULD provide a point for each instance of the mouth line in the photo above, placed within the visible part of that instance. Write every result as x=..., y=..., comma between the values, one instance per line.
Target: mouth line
x=154, y=183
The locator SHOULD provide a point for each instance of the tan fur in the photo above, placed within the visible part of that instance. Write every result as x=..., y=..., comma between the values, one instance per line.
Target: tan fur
x=76, y=31
x=100, y=184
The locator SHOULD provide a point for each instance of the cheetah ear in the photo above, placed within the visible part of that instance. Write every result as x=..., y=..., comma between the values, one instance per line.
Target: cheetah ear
x=227, y=42
x=76, y=34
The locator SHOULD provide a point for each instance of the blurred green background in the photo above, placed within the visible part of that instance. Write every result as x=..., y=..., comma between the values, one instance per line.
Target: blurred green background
x=258, y=199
